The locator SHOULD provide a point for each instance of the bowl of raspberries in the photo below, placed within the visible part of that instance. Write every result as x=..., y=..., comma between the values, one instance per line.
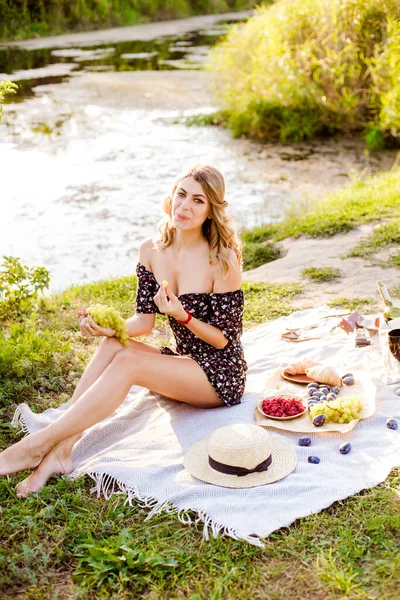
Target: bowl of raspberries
x=281, y=407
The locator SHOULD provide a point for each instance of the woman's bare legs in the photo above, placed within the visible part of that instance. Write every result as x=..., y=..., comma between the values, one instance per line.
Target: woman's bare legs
x=58, y=460
x=179, y=378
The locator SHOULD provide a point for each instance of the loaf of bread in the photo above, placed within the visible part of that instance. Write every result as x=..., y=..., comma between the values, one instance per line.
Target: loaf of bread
x=323, y=374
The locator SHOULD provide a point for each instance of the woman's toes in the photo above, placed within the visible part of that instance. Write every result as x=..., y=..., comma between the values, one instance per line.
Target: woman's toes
x=23, y=488
x=51, y=464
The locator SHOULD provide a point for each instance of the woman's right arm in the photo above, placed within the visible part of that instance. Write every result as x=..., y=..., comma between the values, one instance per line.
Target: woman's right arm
x=140, y=324
x=143, y=321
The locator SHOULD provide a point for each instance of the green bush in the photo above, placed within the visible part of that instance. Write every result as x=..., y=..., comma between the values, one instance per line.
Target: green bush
x=20, y=287
x=305, y=67
x=6, y=87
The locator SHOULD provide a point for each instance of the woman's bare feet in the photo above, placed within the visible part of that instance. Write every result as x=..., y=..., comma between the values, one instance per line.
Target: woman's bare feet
x=54, y=463
x=25, y=454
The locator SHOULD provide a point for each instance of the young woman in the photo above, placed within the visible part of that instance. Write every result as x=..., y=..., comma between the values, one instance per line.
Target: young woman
x=199, y=255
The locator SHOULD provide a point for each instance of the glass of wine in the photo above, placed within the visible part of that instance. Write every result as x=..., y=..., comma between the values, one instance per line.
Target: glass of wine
x=394, y=343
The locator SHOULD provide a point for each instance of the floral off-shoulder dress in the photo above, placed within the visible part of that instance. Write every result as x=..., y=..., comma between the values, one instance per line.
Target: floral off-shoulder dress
x=225, y=368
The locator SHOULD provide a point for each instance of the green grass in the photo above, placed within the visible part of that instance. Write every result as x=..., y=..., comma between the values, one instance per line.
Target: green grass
x=255, y=255
x=321, y=274
x=364, y=200
x=265, y=301
x=349, y=550
x=385, y=235
x=354, y=303
x=66, y=543
x=361, y=201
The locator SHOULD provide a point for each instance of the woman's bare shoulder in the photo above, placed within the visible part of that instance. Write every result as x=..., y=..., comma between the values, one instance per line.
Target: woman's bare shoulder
x=147, y=250
x=232, y=280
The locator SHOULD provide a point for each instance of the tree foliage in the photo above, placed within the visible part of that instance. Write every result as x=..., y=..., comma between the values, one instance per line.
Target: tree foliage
x=24, y=18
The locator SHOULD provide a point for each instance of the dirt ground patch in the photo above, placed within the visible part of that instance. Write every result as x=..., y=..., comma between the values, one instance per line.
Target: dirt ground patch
x=358, y=276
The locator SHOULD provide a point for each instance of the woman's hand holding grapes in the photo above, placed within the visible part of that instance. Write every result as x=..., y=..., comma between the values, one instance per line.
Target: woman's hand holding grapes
x=169, y=304
x=89, y=328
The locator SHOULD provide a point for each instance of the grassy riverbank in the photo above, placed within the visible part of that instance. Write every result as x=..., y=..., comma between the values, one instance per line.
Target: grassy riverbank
x=49, y=540
x=302, y=68
x=22, y=19
x=365, y=200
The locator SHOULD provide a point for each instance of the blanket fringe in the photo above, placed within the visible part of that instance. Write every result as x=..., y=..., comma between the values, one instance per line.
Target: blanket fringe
x=18, y=421
x=107, y=486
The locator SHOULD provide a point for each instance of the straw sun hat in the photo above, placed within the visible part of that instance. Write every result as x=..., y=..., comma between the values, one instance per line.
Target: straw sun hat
x=240, y=456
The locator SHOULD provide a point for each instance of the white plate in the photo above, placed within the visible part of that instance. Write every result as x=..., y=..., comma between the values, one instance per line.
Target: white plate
x=259, y=407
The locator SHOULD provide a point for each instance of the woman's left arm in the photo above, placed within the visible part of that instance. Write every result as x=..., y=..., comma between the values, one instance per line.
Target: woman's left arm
x=210, y=334
x=206, y=332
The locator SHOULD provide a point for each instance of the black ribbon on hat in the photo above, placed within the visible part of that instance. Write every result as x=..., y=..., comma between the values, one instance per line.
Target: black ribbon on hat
x=239, y=471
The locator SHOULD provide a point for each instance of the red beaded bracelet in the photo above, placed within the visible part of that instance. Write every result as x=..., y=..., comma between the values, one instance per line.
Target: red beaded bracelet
x=190, y=317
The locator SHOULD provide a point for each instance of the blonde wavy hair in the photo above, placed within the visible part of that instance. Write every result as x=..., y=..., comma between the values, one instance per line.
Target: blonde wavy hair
x=217, y=229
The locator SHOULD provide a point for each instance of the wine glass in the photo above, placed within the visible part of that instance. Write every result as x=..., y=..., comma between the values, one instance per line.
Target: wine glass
x=394, y=343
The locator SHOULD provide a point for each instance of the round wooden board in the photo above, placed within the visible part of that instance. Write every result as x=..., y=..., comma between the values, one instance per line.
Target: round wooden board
x=299, y=378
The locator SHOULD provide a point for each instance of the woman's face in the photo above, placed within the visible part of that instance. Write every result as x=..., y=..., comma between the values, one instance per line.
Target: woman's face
x=190, y=207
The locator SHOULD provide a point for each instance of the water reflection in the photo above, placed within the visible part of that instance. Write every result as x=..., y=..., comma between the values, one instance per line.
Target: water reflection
x=30, y=68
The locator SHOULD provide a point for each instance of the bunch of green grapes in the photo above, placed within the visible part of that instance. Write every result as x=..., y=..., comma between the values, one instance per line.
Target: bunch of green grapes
x=107, y=316
x=341, y=410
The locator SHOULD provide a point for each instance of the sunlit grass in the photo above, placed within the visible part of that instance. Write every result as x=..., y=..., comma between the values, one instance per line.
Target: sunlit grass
x=255, y=255
x=321, y=274
x=364, y=200
x=385, y=235
x=354, y=303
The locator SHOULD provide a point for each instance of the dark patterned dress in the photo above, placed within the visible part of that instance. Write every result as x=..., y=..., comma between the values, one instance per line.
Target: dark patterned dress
x=225, y=368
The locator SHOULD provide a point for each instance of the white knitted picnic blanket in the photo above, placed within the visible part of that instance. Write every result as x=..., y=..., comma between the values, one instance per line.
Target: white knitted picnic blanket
x=139, y=450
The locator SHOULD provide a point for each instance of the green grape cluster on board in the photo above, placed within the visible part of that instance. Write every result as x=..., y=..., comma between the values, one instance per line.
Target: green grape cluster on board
x=107, y=316
x=341, y=410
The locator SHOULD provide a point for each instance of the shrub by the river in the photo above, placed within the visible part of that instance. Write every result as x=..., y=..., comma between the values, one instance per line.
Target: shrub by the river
x=20, y=287
x=21, y=19
x=6, y=87
x=306, y=67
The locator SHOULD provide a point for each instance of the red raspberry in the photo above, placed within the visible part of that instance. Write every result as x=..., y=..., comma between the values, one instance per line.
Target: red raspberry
x=279, y=406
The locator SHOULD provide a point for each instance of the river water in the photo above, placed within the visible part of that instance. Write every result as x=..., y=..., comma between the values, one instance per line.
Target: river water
x=96, y=136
